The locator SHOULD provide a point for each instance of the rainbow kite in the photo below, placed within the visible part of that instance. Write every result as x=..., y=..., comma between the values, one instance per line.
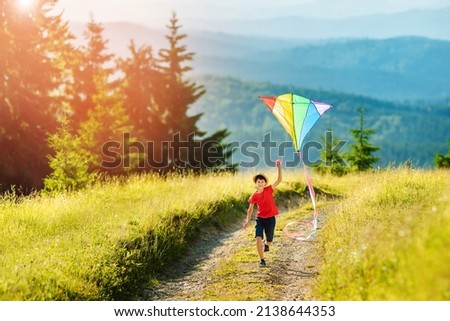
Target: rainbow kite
x=298, y=115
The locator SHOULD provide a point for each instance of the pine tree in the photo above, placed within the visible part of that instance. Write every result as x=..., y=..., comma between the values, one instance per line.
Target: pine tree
x=442, y=161
x=178, y=93
x=69, y=162
x=141, y=83
x=90, y=74
x=99, y=114
x=215, y=155
x=34, y=44
x=331, y=160
x=173, y=103
x=360, y=156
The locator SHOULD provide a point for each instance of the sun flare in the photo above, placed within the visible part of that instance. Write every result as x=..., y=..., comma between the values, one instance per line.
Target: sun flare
x=25, y=4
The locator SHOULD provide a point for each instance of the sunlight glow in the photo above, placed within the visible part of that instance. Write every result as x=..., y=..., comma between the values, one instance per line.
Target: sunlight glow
x=25, y=4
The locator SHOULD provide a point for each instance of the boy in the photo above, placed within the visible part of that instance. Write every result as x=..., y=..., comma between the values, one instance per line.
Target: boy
x=267, y=209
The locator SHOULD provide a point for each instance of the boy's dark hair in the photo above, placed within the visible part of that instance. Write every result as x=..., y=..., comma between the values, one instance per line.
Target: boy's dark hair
x=260, y=177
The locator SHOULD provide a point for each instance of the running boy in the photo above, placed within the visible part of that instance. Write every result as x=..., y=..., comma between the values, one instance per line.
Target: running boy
x=267, y=209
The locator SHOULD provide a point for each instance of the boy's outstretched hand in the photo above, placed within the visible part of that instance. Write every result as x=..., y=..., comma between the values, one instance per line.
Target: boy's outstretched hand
x=278, y=162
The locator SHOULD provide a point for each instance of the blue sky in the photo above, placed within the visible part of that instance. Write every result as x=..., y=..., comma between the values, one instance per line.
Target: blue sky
x=155, y=13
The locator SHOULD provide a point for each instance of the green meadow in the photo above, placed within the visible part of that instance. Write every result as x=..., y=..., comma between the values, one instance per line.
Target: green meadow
x=104, y=242
x=389, y=238
x=386, y=239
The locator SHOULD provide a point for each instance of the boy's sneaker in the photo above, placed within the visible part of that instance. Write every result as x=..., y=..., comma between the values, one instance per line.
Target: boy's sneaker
x=262, y=263
x=266, y=248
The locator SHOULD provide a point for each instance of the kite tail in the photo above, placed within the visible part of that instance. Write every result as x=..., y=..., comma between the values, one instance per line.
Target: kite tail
x=308, y=229
x=311, y=192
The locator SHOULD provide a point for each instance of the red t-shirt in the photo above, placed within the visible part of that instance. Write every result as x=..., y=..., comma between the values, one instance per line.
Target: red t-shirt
x=265, y=201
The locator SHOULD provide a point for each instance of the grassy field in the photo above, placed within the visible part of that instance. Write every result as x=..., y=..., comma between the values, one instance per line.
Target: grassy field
x=387, y=240
x=103, y=242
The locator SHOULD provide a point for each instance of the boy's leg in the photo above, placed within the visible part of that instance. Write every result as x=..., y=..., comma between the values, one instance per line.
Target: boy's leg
x=269, y=229
x=259, y=230
x=259, y=247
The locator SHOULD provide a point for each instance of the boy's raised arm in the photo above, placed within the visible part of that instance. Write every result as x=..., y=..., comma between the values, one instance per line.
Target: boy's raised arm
x=280, y=175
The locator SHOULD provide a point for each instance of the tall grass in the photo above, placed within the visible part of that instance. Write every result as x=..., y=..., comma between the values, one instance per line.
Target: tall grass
x=390, y=239
x=102, y=242
x=387, y=240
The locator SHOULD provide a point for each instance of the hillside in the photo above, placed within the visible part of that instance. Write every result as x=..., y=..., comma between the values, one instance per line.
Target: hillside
x=395, y=69
x=398, y=81
x=294, y=23
x=403, y=131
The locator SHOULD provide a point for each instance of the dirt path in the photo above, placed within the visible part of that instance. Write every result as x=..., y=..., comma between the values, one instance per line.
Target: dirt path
x=291, y=273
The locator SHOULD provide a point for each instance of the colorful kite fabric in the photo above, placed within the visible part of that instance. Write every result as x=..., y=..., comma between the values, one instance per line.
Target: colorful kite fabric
x=298, y=115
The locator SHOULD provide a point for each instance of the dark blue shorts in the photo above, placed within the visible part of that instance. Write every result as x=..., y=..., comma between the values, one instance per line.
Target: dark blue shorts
x=267, y=226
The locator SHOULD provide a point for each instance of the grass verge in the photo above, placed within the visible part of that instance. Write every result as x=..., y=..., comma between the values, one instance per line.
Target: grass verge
x=389, y=239
x=105, y=242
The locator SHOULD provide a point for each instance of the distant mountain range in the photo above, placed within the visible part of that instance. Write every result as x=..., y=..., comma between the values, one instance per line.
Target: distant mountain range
x=396, y=69
x=424, y=23
x=413, y=131
x=402, y=82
